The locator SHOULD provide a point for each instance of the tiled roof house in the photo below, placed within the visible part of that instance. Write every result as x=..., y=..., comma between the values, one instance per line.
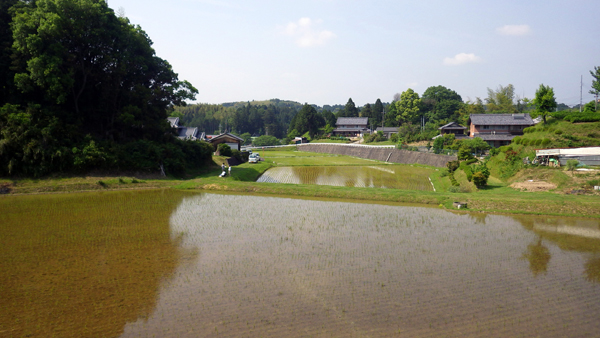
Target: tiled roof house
x=498, y=129
x=351, y=126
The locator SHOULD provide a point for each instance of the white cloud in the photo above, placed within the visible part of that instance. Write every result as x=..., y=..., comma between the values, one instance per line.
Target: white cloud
x=461, y=59
x=516, y=30
x=306, y=32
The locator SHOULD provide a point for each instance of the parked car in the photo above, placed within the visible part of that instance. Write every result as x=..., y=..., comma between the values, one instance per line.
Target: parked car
x=254, y=158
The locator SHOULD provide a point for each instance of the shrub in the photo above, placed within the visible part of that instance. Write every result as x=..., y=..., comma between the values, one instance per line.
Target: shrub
x=538, y=142
x=545, y=142
x=454, y=189
x=517, y=140
x=224, y=149
x=494, y=151
x=558, y=132
x=464, y=153
x=452, y=165
x=529, y=130
x=479, y=179
x=572, y=164
x=444, y=172
x=394, y=138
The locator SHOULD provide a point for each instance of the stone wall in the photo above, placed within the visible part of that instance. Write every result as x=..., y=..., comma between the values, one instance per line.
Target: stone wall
x=379, y=153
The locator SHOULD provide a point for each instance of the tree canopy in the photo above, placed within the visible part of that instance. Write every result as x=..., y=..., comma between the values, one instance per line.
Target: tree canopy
x=408, y=107
x=79, y=78
x=544, y=101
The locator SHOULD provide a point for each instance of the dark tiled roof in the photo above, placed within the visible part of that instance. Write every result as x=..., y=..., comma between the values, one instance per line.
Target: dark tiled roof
x=357, y=121
x=501, y=119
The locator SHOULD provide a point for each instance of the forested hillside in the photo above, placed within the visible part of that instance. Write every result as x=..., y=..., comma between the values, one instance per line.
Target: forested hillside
x=83, y=89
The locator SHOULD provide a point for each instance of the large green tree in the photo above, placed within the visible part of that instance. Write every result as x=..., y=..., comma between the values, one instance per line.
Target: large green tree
x=350, y=110
x=99, y=68
x=408, y=107
x=544, y=101
x=81, y=84
x=441, y=104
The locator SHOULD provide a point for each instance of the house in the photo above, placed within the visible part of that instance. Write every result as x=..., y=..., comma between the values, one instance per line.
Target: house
x=231, y=140
x=351, y=126
x=498, y=129
x=185, y=133
x=387, y=131
x=453, y=128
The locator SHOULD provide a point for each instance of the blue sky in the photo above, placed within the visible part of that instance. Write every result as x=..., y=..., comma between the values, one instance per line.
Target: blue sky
x=324, y=52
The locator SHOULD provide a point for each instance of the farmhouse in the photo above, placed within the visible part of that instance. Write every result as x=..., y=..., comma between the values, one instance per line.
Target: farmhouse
x=388, y=131
x=453, y=128
x=231, y=140
x=498, y=129
x=351, y=126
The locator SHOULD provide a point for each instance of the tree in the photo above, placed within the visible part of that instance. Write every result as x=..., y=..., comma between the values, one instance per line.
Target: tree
x=441, y=103
x=408, y=106
x=266, y=140
x=595, y=84
x=544, y=101
x=501, y=100
x=100, y=69
x=307, y=120
x=350, y=109
x=377, y=113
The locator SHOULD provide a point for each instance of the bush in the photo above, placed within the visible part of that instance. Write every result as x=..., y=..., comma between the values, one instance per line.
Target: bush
x=394, y=138
x=224, y=149
x=545, y=142
x=558, y=132
x=454, y=189
x=572, y=164
x=479, y=179
x=444, y=172
x=452, y=166
x=464, y=153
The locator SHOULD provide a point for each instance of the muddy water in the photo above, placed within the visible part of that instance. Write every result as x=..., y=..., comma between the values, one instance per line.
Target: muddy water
x=83, y=265
x=171, y=264
x=273, y=267
x=378, y=176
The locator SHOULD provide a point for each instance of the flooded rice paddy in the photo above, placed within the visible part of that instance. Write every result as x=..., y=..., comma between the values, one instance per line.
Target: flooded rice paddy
x=174, y=264
x=376, y=176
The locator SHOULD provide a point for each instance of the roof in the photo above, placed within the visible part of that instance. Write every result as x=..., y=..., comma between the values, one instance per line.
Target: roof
x=185, y=132
x=225, y=135
x=352, y=121
x=584, y=151
x=501, y=119
x=452, y=125
x=174, y=121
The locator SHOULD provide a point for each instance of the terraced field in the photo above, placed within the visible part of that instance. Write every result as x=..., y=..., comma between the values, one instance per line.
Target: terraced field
x=378, y=176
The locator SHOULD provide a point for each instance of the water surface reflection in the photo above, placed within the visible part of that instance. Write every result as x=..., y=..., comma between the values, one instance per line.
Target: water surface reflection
x=85, y=264
x=284, y=267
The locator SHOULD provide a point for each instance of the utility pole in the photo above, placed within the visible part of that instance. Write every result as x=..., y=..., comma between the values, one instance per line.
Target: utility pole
x=581, y=94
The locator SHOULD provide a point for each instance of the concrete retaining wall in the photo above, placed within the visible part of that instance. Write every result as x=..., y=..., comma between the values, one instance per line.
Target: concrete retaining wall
x=379, y=153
